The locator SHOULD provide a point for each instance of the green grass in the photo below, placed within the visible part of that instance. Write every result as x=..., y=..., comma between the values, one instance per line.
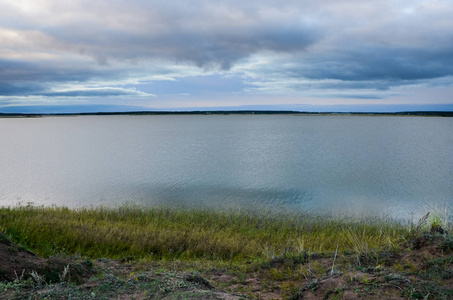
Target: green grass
x=164, y=233
x=437, y=219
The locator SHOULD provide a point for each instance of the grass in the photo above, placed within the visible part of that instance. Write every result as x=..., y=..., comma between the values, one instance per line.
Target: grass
x=132, y=232
x=437, y=219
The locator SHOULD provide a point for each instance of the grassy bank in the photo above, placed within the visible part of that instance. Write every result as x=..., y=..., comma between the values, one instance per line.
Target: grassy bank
x=156, y=233
x=162, y=253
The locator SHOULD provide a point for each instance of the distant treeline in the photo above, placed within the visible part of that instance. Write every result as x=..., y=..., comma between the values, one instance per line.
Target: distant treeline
x=237, y=112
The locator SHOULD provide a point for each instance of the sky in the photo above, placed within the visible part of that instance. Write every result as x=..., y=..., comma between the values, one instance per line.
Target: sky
x=330, y=55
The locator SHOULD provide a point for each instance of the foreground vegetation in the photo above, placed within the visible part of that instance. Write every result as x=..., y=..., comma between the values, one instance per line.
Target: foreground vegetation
x=157, y=233
x=174, y=253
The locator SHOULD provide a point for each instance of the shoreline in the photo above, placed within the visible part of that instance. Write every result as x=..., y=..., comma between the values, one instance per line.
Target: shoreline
x=260, y=112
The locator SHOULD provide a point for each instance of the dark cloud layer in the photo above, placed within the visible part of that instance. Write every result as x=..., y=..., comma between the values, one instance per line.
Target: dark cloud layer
x=381, y=63
x=19, y=78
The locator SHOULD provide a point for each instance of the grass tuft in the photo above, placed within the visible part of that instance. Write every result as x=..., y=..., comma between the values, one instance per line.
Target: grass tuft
x=437, y=220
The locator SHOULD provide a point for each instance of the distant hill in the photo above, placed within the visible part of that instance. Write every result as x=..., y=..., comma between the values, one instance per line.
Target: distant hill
x=236, y=112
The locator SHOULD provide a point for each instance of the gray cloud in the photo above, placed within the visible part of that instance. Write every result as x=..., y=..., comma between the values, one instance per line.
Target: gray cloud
x=19, y=78
x=384, y=63
x=206, y=44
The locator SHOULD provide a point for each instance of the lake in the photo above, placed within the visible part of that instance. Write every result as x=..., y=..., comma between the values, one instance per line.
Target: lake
x=393, y=166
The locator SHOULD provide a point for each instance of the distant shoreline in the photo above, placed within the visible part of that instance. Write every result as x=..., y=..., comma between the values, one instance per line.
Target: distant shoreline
x=234, y=112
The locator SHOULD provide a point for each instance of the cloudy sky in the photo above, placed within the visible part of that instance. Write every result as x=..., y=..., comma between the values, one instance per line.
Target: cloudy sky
x=80, y=55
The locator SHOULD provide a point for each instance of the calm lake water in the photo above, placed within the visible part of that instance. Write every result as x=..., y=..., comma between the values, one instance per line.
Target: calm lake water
x=390, y=166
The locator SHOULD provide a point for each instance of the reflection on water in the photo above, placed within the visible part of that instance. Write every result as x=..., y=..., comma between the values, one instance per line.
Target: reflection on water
x=392, y=166
x=217, y=196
